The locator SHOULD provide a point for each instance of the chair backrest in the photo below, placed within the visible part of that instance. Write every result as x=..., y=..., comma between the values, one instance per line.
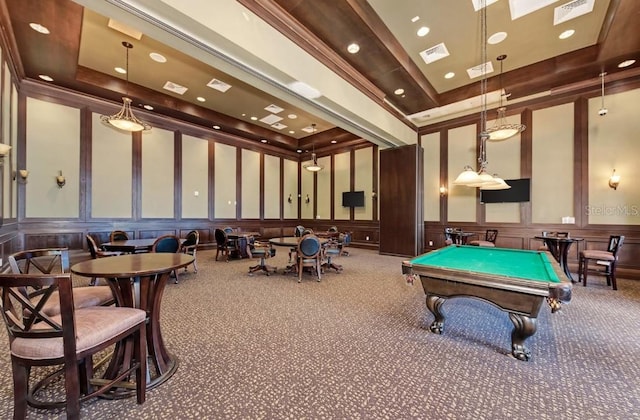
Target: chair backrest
x=221, y=237
x=615, y=243
x=21, y=314
x=309, y=246
x=562, y=234
x=332, y=229
x=346, y=240
x=45, y=261
x=93, y=247
x=491, y=235
x=228, y=229
x=166, y=243
x=448, y=233
x=298, y=231
x=192, y=239
x=118, y=235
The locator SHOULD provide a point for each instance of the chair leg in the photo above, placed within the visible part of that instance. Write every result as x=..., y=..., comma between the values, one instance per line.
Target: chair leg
x=72, y=390
x=585, y=270
x=612, y=275
x=141, y=372
x=20, y=385
x=580, y=264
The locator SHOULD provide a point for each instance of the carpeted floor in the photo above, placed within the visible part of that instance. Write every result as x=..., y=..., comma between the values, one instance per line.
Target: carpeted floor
x=357, y=346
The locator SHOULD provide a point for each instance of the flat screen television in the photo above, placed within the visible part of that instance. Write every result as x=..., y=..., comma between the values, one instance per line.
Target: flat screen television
x=353, y=199
x=520, y=191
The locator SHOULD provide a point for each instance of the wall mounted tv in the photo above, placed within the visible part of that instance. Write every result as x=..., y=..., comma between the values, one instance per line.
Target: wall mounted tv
x=353, y=199
x=520, y=191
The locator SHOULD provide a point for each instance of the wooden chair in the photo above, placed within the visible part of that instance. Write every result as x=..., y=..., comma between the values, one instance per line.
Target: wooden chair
x=604, y=261
x=344, y=242
x=167, y=244
x=332, y=249
x=97, y=252
x=490, y=237
x=190, y=246
x=223, y=245
x=56, y=261
x=118, y=235
x=70, y=339
x=263, y=251
x=448, y=236
x=309, y=254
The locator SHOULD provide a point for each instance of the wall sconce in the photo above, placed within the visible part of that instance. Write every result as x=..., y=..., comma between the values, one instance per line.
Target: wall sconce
x=60, y=180
x=614, y=180
x=443, y=190
x=4, y=151
x=290, y=200
x=307, y=200
x=23, y=173
x=374, y=195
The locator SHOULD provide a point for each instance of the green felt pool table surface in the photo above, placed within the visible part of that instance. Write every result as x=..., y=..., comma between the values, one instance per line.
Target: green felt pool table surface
x=515, y=263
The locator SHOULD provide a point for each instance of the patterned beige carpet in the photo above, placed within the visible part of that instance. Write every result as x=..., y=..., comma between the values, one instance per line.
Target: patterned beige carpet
x=357, y=346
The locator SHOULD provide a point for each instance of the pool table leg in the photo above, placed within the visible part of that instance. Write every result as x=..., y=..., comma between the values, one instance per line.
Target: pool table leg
x=434, y=303
x=524, y=327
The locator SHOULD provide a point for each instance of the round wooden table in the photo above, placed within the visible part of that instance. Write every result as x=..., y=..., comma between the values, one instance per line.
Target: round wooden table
x=138, y=280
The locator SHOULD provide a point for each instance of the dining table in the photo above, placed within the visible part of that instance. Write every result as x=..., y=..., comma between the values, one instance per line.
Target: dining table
x=292, y=243
x=241, y=240
x=559, y=246
x=138, y=281
x=129, y=246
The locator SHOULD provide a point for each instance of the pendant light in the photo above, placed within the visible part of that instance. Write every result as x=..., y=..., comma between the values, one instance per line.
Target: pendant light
x=502, y=130
x=468, y=177
x=313, y=167
x=603, y=111
x=125, y=120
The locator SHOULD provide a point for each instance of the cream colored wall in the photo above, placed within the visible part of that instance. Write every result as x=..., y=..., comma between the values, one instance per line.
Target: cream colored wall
x=324, y=189
x=157, y=174
x=272, y=187
x=342, y=180
x=552, y=184
x=250, y=181
x=363, y=182
x=462, y=152
x=290, y=189
x=306, y=211
x=503, y=159
x=7, y=166
x=614, y=144
x=431, y=172
x=224, y=178
x=14, y=143
x=195, y=178
x=53, y=144
x=110, y=146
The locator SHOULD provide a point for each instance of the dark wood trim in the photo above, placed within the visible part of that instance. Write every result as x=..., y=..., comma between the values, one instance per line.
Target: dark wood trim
x=238, y=183
x=581, y=160
x=136, y=175
x=444, y=174
x=86, y=168
x=177, y=175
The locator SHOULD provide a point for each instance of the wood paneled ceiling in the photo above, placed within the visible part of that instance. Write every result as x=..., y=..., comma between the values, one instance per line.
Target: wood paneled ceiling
x=82, y=50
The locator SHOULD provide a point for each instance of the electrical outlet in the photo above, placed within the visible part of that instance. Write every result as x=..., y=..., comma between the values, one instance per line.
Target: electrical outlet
x=430, y=243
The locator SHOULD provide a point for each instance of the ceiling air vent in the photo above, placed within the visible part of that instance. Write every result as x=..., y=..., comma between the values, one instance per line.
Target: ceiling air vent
x=274, y=109
x=572, y=10
x=434, y=53
x=278, y=126
x=219, y=85
x=270, y=119
x=175, y=88
x=476, y=71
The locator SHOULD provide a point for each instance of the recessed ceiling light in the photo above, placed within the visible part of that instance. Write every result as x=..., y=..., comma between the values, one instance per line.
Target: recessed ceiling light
x=497, y=38
x=46, y=78
x=398, y=91
x=334, y=141
x=148, y=107
x=200, y=99
x=299, y=150
x=415, y=19
x=120, y=70
x=244, y=115
x=263, y=140
x=353, y=48
x=423, y=31
x=216, y=127
x=626, y=63
x=254, y=118
x=291, y=132
x=39, y=28
x=566, y=34
x=292, y=116
x=449, y=75
x=158, y=57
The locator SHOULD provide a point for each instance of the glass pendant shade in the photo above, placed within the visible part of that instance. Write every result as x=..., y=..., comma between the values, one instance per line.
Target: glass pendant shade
x=467, y=176
x=497, y=184
x=125, y=120
x=313, y=167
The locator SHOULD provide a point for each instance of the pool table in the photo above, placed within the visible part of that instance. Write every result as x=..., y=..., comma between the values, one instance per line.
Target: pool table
x=516, y=281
